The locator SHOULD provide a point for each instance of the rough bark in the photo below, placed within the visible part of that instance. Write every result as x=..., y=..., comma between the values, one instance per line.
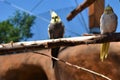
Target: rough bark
x=38, y=45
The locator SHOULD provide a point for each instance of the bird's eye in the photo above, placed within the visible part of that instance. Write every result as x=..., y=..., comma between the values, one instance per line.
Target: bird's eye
x=56, y=16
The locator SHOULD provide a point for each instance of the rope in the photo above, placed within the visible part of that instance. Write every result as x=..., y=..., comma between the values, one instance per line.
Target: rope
x=24, y=10
x=36, y=5
x=75, y=66
x=83, y=20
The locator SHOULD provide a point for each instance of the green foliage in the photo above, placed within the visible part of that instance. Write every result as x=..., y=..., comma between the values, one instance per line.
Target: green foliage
x=16, y=28
x=8, y=32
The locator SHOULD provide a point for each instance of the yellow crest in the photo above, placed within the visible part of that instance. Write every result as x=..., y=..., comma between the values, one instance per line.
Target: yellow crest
x=54, y=17
x=108, y=10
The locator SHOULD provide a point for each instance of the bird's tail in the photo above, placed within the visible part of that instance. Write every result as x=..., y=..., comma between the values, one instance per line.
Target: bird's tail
x=54, y=53
x=104, y=50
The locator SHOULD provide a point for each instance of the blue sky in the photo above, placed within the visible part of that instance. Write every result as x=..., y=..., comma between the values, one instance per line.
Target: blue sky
x=76, y=27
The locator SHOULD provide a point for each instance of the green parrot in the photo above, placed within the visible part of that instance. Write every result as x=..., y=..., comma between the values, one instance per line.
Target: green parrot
x=108, y=24
x=55, y=30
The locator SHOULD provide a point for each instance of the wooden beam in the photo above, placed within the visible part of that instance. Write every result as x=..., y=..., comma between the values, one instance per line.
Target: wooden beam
x=44, y=44
x=79, y=8
x=95, y=12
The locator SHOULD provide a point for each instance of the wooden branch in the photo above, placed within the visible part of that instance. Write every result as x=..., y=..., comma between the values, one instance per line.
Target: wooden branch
x=81, y=7
x=44, y=44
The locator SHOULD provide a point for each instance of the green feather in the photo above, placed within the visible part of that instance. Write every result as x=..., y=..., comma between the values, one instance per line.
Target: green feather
x=104, y=50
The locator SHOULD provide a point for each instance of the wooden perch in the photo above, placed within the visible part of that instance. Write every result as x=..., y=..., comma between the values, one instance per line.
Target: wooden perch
x=81, y=7
x=44, y=44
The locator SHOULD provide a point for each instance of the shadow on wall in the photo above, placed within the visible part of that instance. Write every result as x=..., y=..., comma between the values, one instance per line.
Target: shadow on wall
x=25, y=66
x=25, y=72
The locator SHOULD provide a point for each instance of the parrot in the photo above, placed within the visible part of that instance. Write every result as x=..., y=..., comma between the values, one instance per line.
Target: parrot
x=108, y=24
x=55, y=31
